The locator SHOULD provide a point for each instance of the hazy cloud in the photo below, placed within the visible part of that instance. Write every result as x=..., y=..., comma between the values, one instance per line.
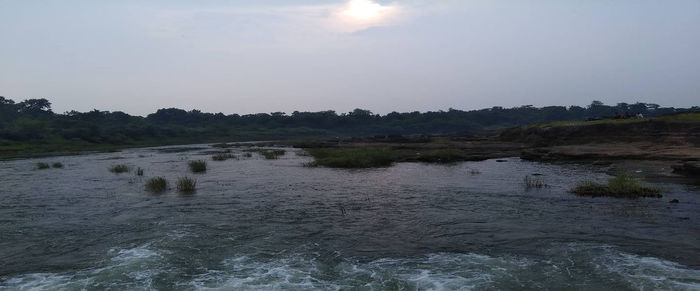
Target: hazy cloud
x=282, y=55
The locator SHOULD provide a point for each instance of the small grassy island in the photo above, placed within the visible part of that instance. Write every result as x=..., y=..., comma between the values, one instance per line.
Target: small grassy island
x=622, y=186
x=359, y=157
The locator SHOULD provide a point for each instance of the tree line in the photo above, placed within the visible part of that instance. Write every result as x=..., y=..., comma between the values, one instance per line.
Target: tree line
x=33, y=121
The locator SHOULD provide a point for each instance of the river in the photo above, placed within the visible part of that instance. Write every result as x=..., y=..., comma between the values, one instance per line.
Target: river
x=257, y=224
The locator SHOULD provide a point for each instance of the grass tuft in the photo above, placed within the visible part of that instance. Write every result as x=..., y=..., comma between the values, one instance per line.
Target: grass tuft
x=223, y=157
x=118, y=169
x=622, y=186
x=186, y=185
x=198, y=166
x=139, y=172
x=57, y=165
x=267, y=154
x=531, y=182
x=157, y=185
x=42, y=166
x=272, y=154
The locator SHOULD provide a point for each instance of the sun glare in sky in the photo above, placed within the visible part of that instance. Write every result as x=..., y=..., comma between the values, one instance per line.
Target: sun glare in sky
x=365, y=10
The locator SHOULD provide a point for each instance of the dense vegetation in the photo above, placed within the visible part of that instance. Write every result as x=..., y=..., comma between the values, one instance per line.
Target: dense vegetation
x=359, y=157
x=622, y=186
x=31, y=125
x=384, y=156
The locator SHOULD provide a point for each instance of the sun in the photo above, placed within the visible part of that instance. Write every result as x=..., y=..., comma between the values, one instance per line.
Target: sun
x=364, y=10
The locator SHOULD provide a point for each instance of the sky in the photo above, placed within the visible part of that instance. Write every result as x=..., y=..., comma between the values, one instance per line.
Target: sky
x=286, y=55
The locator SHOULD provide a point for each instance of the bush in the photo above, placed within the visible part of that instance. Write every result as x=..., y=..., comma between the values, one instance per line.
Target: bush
x=57, y=165
x=42, y=166
x=186, y=184
x=119, y=169
x=157, y=185
x=198, y=166
x=623, y=186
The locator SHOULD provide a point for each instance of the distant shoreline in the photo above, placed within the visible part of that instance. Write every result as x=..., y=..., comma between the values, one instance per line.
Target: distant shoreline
x=674, y=140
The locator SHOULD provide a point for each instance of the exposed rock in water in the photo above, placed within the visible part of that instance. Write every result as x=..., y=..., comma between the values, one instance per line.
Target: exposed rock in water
x=688, y=168
x=674, y=201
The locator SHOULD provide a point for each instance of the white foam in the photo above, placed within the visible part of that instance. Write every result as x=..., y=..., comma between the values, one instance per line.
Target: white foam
x=572, y=266
x=567, y=266
x=132, y=269
x=651, y=273
x=44, y=281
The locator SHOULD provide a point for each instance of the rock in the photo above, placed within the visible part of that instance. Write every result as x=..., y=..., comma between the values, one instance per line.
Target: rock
x=501, y=161
x=674, y=201
x=688, y=168
x=602, y=163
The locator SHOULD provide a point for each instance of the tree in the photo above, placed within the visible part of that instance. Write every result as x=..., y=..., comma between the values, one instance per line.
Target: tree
x=4, y=101
x=35, y=106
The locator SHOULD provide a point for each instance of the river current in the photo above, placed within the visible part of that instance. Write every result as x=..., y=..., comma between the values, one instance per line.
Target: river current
x=257, y=224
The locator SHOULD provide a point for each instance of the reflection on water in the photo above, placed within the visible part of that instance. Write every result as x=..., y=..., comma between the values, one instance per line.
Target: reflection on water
x=262, y=224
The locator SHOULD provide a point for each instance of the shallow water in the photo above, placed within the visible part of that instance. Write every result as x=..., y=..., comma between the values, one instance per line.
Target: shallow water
x=273, y=224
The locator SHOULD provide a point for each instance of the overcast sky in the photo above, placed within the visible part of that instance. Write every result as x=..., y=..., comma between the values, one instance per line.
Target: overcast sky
x=285, y=55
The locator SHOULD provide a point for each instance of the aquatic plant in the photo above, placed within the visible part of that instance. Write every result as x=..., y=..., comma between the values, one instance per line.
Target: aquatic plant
x=247, y=155
x=186, y=184
x=157, y=185
x=532, y=182
x=312, y=164
x=223, y=157
x=360, y=157
x=198, y=166
x=118, y=169
x=42, y=166
x=57, y=165
x=622, y=185
x=267, y=154
x=139, y=172
x=272, y=154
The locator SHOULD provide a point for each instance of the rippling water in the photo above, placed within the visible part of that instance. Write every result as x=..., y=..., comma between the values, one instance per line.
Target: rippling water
x=273, y=224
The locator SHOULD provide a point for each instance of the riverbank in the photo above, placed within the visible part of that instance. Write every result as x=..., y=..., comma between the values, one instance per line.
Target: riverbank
x=671, y=144
x=673, y=140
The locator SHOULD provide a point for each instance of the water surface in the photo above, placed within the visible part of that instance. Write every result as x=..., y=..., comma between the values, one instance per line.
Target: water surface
x=273, y=224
